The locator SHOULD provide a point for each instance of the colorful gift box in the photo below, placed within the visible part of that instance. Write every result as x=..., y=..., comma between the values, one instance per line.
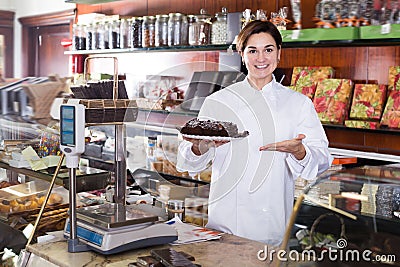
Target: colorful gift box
x=332, y=100
x=394, y=78
x=391, y=114
x=306, y=79
x=362, y=124
x=368, y=101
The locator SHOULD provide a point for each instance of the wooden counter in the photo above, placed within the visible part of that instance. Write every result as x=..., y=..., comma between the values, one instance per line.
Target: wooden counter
x=230, y=251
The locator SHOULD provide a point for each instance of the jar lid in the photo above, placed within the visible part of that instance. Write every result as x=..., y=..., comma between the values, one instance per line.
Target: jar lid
x=221, y=14
x=203, y=15
x=162, y=16
x=149, y=17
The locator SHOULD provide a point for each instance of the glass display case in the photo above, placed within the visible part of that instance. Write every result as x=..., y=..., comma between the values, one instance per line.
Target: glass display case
x=350, y=216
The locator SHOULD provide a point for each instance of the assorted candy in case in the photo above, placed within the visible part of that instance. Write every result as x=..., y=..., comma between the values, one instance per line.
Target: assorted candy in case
x=49, y=143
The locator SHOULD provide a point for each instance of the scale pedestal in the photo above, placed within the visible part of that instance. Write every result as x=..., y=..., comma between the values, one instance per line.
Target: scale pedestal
x=113, y=227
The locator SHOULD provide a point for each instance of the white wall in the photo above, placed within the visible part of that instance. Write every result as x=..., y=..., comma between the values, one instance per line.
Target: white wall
x=24, y=8
x=5, y=4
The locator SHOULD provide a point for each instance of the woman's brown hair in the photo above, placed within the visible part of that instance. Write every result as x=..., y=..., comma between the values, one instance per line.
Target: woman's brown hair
x=255, y=27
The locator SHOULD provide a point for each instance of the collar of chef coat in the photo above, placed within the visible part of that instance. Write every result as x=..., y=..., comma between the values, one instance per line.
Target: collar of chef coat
x=270, y=91
x=266, y=88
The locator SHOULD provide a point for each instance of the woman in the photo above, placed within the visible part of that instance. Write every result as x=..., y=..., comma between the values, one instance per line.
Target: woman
x=252, y=183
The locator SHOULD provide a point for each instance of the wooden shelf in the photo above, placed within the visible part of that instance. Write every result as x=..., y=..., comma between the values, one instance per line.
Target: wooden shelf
x=182, y=48
x=373, y=144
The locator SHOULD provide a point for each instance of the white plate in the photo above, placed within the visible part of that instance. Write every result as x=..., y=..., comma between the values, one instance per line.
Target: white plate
x=213, y=138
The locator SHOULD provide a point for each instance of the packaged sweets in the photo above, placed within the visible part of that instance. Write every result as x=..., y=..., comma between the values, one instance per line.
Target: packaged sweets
x=391, y=114
x=305, y=79
x=368, y=100
x=362, y=124
x=394, y=78
x=332, y=99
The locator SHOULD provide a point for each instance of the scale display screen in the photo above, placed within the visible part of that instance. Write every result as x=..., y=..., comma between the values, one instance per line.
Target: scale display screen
x=67, y=125
x=88, y=235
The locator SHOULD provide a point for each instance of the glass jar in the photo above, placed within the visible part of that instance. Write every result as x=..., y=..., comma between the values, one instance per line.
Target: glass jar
x=193, y=30
x=174, y=29
x=185, y=30
x=102, y=36
x=107, y=29
x=129, y=34
x=95, y=36
x=171, y=29
x=136, y=32
x=219, y=28
x=148, y=31
x=123, y=33
x=161, y=28
x=177, y=28
x=89, y=36
x=204, y=24
x=114, y=34
x=78, y=37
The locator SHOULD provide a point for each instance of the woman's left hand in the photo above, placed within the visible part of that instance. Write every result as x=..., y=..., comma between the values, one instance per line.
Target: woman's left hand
x=293, y=146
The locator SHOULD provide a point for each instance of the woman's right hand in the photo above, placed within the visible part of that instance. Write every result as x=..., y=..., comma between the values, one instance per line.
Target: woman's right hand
x=201, y=146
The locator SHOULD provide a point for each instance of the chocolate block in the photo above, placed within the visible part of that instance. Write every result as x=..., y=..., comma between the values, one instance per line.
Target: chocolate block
x=120, y=109
x=109, y=110
x=95, y=111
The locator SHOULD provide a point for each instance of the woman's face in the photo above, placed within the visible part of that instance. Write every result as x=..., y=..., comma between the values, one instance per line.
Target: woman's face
x=261, y=56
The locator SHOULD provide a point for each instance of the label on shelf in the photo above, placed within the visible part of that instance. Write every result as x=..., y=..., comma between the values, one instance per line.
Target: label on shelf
x=386, y=28
x=295, y=34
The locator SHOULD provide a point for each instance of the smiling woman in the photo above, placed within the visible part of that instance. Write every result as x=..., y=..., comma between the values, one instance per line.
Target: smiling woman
x=252, y=182
x=260, y=52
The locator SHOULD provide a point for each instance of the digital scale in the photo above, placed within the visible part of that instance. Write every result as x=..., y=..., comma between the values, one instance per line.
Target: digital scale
x=102, y=230
x=112, y=227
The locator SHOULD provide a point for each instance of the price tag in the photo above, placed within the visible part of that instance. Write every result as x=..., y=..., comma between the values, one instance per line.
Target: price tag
x=385, y=28
x=295, y=34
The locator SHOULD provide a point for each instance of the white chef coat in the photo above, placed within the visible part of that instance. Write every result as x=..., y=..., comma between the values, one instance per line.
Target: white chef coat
x=252, y=191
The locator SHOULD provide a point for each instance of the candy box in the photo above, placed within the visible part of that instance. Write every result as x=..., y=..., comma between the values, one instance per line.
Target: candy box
x=305, y=79
x=391, y=114
x=368, y=100
x=394, y=78
x=362, y=124
x=332, y=99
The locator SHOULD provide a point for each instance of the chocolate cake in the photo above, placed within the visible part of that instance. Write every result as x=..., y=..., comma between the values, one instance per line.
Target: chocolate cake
x=211, y=128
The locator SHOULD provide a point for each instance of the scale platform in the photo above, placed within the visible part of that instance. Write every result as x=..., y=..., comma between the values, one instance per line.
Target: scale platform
x=112, y=228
